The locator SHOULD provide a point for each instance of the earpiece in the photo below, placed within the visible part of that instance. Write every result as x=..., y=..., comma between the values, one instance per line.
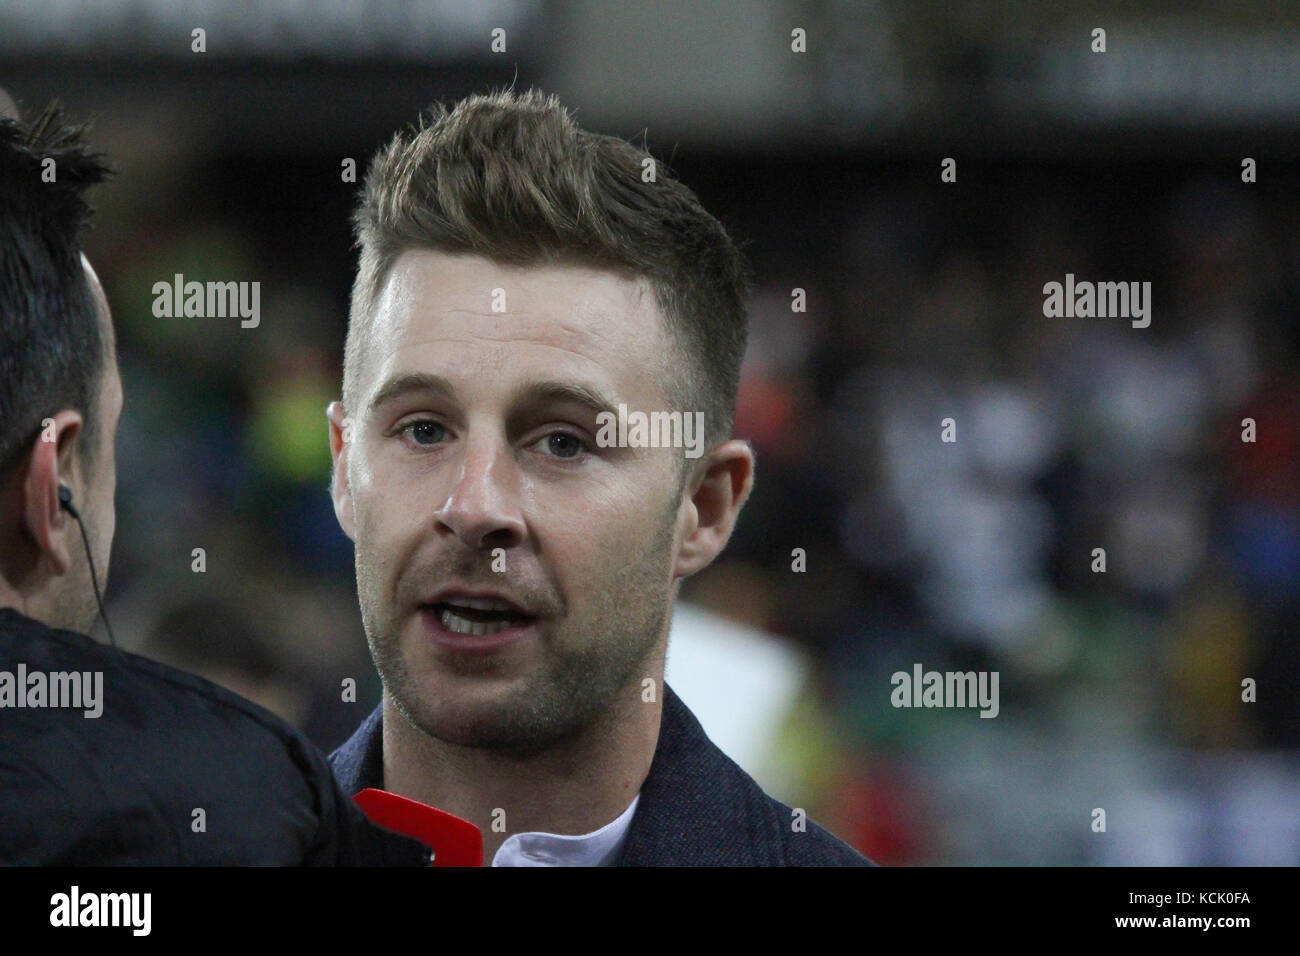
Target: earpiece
x=65, y=502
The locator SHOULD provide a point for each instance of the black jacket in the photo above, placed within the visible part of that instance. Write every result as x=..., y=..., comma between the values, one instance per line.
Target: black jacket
x=123, y=787
x=697, y=808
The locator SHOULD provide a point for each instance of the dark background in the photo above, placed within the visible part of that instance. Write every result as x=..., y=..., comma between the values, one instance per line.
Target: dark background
x=1119, y=690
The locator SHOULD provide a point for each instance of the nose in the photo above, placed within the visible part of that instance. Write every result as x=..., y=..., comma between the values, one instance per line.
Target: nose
x=483, y=508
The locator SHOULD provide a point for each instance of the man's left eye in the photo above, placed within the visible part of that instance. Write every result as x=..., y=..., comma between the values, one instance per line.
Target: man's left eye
x=425, y=432
x=563, y=445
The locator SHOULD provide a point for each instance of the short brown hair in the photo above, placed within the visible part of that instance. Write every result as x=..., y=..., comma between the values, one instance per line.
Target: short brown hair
x=513, y=178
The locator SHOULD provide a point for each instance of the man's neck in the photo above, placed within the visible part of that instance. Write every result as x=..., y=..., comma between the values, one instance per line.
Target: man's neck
x=572, y=789
x=14, y=599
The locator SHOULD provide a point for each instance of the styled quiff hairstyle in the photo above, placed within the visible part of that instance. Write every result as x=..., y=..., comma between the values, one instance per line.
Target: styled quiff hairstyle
x=511, y=177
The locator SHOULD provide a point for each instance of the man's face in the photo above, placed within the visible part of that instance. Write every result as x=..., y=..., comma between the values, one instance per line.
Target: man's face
x=473, y=477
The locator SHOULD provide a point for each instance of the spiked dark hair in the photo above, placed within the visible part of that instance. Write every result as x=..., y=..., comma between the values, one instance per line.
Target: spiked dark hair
x=52, y=349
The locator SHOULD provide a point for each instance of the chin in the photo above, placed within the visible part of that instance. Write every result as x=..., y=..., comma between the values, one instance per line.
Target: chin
x=455, y=699
x=486, y=713
x=479, y=724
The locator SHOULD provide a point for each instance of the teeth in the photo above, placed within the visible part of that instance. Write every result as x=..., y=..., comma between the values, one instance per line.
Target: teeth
x=459, y=625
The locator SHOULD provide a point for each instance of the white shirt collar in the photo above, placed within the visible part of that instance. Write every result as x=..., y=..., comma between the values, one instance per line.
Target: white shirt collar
x=597, y=848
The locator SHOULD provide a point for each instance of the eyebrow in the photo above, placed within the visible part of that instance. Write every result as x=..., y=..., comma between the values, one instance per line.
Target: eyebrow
x=567, y=392
x=536, y=392
x=409, y=382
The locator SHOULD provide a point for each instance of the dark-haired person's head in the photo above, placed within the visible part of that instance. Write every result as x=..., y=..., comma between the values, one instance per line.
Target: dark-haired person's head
x=519, y=278
x=60, y=392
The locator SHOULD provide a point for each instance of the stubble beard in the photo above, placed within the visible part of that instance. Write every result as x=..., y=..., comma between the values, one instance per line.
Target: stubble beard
x=585, y=663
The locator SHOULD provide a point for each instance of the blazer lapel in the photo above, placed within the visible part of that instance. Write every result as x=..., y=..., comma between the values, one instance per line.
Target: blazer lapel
x=698, y=808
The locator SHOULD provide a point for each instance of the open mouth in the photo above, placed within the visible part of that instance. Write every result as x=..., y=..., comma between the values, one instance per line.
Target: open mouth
x=478, y=617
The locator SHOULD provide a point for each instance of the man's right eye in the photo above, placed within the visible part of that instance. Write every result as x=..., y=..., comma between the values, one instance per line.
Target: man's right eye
x=425, y=432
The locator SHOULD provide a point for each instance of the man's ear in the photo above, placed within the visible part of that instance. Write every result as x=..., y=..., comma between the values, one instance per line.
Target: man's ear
x=340, y=444
x=55, y=460
x=716, y=492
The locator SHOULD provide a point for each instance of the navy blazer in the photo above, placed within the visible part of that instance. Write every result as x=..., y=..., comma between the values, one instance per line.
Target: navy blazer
x=697, y=808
